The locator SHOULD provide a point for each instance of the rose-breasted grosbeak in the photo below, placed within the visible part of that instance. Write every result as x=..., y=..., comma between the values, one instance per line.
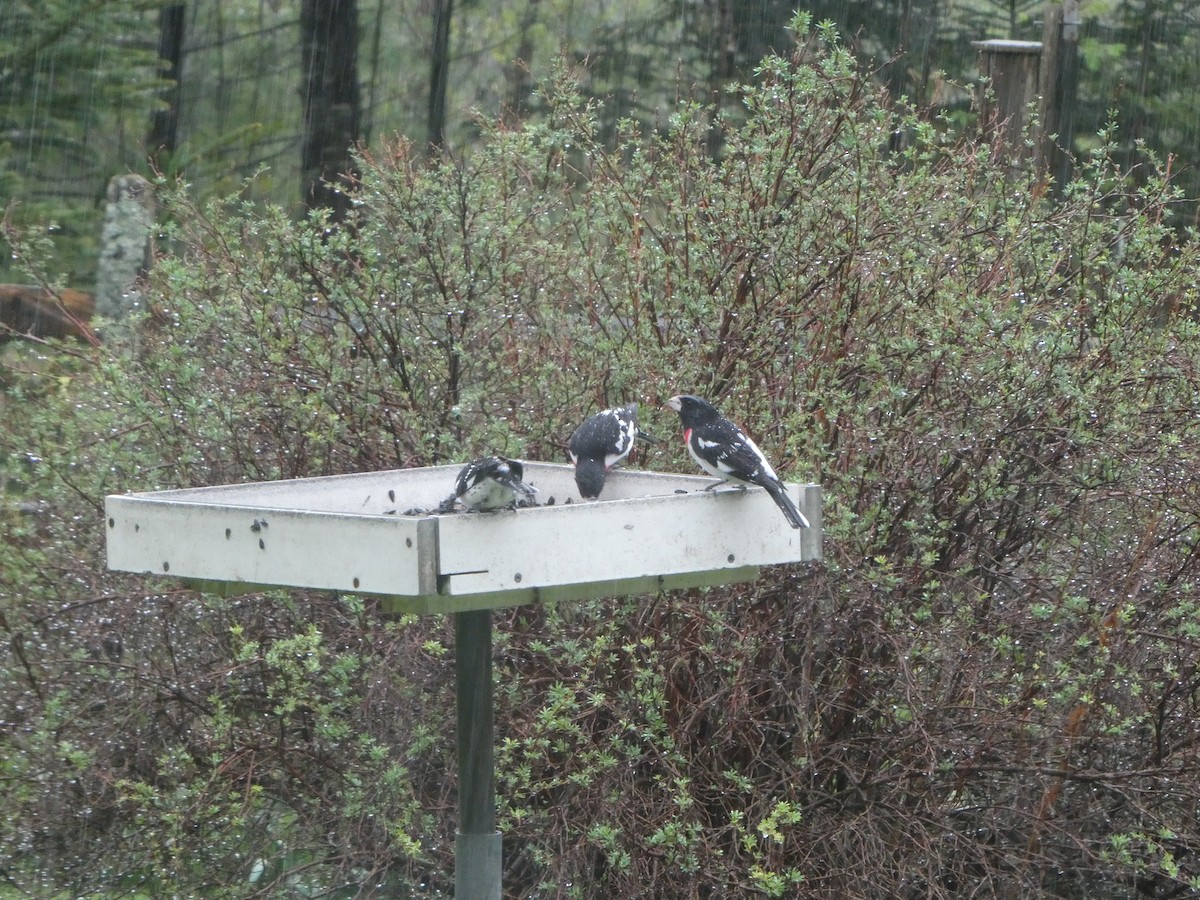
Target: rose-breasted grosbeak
x=722, y=449
x=602, y=441
x=491, y=482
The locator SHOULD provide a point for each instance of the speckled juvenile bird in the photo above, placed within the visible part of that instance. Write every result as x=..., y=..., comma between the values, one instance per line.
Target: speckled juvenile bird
x=488, y=483
x=723, y=450
x=602, y=441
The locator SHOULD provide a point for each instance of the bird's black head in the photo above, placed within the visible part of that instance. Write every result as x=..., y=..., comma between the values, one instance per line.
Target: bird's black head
x=589, y=478
x=693, y=410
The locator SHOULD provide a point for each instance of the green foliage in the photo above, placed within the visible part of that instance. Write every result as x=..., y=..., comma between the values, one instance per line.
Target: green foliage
x=988, y=686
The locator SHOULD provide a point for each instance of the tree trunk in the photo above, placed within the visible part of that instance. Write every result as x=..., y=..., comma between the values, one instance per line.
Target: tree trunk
x=164, y=125
x=722, y=66
x=439, y=72
x=898, y=69
x=332, y=102
x=520, y=82
x=1151, y=28
x=126, y=246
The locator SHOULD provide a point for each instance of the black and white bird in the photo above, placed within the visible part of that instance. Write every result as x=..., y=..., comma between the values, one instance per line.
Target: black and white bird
x=726, y=452
x=491, y=482
x=602, y=441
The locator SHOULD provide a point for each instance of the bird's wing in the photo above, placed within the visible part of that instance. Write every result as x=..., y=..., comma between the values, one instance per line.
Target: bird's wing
x=512, y=482
x=606, y=436
x=467, y=476
x=730, y=451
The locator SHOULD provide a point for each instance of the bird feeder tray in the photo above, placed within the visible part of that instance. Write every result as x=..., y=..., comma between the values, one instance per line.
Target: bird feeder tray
x=379, y=533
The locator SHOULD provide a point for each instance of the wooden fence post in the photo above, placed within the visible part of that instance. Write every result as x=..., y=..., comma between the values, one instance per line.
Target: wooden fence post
x=1010, y=69
x=1059, y=86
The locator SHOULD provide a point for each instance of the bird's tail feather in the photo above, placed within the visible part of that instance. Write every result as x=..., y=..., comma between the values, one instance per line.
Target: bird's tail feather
x=646, y=438
x=780, y=495
x=521, y=487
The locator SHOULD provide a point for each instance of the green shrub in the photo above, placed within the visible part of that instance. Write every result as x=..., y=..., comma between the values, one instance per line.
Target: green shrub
x=988, y=687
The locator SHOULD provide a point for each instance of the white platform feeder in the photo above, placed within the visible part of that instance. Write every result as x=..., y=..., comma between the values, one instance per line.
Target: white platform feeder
x=354, y=534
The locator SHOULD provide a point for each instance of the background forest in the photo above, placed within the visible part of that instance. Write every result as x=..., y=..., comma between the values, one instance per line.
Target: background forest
x=215, y=90
x=989, y=686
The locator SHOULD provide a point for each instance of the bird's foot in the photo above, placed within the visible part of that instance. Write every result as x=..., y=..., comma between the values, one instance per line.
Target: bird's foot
x=725, y=484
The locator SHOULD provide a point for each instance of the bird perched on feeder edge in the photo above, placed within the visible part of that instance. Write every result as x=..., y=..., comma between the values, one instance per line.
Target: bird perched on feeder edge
x=723, y=450
x=602, y=441
x=488, y=483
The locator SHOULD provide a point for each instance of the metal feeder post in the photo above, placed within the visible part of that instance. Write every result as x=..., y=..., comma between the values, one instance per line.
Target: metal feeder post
x=477, y=846
x=357, y=534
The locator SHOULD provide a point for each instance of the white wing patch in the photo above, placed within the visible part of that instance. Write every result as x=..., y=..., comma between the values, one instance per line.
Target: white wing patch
x=764, y=466
x=729, y=461
x=626, y=432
